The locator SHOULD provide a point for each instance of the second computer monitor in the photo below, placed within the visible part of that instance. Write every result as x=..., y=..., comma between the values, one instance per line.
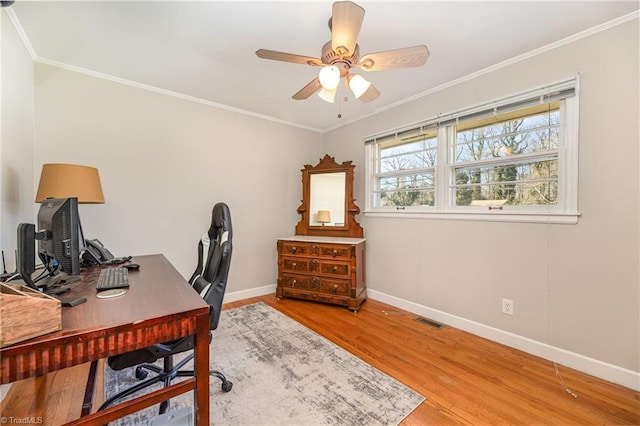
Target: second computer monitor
x=59, y=245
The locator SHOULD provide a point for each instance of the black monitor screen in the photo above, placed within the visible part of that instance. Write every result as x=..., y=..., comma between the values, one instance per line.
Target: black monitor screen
x=58, y=220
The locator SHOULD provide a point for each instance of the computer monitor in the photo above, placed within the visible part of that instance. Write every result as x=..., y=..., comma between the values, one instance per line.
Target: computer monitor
x=59, y=247
x=59, y=237
x=26, y=253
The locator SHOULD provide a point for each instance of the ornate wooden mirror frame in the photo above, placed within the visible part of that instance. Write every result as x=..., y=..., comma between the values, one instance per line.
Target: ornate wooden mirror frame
x=348, y=227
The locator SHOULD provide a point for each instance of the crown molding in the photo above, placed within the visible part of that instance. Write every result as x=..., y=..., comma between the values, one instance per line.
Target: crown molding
x=23, y=36
x=168, y=92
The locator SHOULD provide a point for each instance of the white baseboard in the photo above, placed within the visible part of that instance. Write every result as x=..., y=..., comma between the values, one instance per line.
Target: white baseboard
x=603, y=370
x=594, y=367
x=252, y=292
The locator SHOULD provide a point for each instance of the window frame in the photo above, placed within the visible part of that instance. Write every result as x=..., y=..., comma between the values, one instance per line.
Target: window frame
x=565, y=211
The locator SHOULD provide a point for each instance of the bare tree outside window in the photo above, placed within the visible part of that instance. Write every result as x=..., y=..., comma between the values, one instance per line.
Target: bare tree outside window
x=406, y=173
x=514, y=160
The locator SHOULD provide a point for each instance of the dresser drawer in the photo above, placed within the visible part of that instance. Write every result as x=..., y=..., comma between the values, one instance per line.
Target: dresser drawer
x=335, y=268
x=334, y=251
x=314, y=283
x=316, y=296
x=317, y=266
x=298, y=248
x=300, y=264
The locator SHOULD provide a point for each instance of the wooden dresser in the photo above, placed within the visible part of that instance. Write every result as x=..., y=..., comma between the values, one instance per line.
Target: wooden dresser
x=323, y=269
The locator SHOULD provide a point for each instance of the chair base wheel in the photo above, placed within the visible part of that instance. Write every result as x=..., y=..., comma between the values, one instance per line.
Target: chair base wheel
x=141, y=373
x=226, y=386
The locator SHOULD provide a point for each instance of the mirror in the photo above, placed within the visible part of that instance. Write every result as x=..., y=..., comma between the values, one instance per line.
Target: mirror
x=326, y=199
x=327, y=205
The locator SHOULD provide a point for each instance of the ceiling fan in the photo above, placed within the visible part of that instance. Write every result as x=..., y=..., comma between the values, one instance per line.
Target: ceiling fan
x=342, y=53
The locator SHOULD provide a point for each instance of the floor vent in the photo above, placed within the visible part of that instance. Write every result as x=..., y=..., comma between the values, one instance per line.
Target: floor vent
x=429, y=322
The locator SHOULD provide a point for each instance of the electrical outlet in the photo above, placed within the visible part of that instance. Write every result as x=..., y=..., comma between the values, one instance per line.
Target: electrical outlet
x=507, y=307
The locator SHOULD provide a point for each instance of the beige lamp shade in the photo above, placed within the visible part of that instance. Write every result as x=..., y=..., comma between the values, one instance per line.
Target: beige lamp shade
x=70, y=180
x=323, y=216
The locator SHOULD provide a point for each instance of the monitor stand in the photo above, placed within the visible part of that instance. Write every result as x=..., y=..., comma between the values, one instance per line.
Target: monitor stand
x=54, y=285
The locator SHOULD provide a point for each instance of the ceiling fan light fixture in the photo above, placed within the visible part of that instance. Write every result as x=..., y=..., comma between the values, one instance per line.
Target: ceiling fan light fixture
x=358, y=84
x=342, y=53
x=327, y=95
x=329, y=77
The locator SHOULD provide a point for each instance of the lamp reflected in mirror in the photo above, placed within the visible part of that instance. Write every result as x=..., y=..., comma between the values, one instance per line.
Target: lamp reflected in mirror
x=323, y=217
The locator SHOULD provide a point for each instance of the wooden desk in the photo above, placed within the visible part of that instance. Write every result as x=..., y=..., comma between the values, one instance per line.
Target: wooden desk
x=159, y=306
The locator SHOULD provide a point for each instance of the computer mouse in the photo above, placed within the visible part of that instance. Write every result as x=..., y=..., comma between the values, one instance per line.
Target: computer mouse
x=131, y=266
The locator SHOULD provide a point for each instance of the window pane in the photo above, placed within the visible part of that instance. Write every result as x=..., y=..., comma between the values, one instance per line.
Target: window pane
x=413, y=155
x=529, y=135
x=406, y=190
x=533, y=183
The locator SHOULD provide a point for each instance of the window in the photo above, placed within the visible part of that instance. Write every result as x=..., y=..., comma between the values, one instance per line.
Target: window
x=512, y=159
x=406, y=168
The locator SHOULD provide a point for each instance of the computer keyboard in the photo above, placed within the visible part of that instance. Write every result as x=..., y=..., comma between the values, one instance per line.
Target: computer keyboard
x=113, y=278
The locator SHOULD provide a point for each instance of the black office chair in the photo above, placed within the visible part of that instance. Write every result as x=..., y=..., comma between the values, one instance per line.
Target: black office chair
x=210, y=281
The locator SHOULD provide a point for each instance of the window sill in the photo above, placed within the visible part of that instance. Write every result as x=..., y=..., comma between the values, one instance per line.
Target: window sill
x=555, y=218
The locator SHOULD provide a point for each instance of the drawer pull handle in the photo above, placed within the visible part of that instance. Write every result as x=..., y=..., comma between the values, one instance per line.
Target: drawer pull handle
x=334, y=269
x=294, y=264
x=335, y=289
x=293, y=283
x=334, y=253
x=294, y=249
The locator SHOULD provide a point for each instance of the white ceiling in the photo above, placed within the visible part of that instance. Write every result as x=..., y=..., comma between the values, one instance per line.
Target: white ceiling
x=205, y=49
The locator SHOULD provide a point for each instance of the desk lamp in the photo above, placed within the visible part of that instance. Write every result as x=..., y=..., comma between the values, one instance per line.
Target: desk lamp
x=70, y=180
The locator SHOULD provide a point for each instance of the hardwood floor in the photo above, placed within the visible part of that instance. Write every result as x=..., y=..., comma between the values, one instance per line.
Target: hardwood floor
x=466, y=379
x=52, y=399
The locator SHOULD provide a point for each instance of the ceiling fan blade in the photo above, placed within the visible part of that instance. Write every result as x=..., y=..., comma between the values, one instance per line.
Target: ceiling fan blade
x=399, y=58
x=308, y=90
x=288, y=57
x=346, y=21
x=370, y=95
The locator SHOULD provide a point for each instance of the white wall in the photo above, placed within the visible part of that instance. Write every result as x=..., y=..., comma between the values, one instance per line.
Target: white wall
x=16, y=140
x=164, y=162
x=583, y=293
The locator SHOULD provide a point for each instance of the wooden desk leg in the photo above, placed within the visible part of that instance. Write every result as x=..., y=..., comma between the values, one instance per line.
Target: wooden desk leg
x=201, y=367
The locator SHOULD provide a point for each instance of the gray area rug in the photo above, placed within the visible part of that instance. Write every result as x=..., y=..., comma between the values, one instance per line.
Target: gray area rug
x=285, y=374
